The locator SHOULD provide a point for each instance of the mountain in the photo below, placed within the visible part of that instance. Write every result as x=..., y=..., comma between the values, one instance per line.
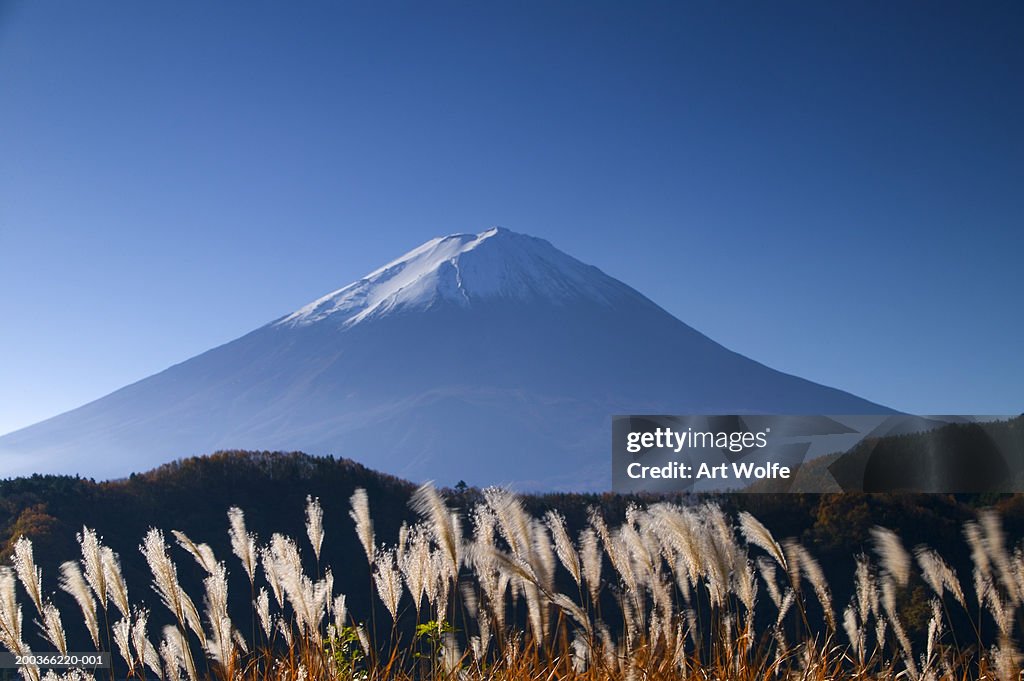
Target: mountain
x=492, y=358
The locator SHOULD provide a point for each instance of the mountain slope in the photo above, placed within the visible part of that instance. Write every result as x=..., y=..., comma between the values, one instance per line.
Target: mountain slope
x=493, y=358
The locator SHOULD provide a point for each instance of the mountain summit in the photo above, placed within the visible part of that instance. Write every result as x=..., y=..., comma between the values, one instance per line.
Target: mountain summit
x=466, y=269
x=492, y=358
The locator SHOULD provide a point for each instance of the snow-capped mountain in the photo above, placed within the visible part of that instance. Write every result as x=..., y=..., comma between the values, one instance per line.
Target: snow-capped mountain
x=491, y=358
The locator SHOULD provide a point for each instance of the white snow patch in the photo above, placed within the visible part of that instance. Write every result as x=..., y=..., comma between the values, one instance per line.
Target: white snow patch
x=463, y=268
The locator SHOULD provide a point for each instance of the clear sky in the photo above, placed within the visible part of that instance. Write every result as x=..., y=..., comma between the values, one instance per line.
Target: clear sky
x=833, y=188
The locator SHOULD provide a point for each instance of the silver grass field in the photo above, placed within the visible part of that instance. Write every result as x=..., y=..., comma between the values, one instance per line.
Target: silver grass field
x=670, y=592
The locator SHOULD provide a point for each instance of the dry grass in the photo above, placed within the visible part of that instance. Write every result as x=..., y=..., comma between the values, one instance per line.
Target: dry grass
x=672, y=592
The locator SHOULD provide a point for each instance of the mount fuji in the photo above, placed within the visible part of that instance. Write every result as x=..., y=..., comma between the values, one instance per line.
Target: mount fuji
x=492, y=358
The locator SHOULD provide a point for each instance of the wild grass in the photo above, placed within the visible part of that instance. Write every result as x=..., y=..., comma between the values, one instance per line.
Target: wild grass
x=670, y=592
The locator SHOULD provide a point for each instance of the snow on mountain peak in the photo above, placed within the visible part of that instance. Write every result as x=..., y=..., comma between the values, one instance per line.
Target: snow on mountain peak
x=463, y=269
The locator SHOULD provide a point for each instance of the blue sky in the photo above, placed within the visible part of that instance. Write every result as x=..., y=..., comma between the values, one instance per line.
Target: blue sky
x=831, y=188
